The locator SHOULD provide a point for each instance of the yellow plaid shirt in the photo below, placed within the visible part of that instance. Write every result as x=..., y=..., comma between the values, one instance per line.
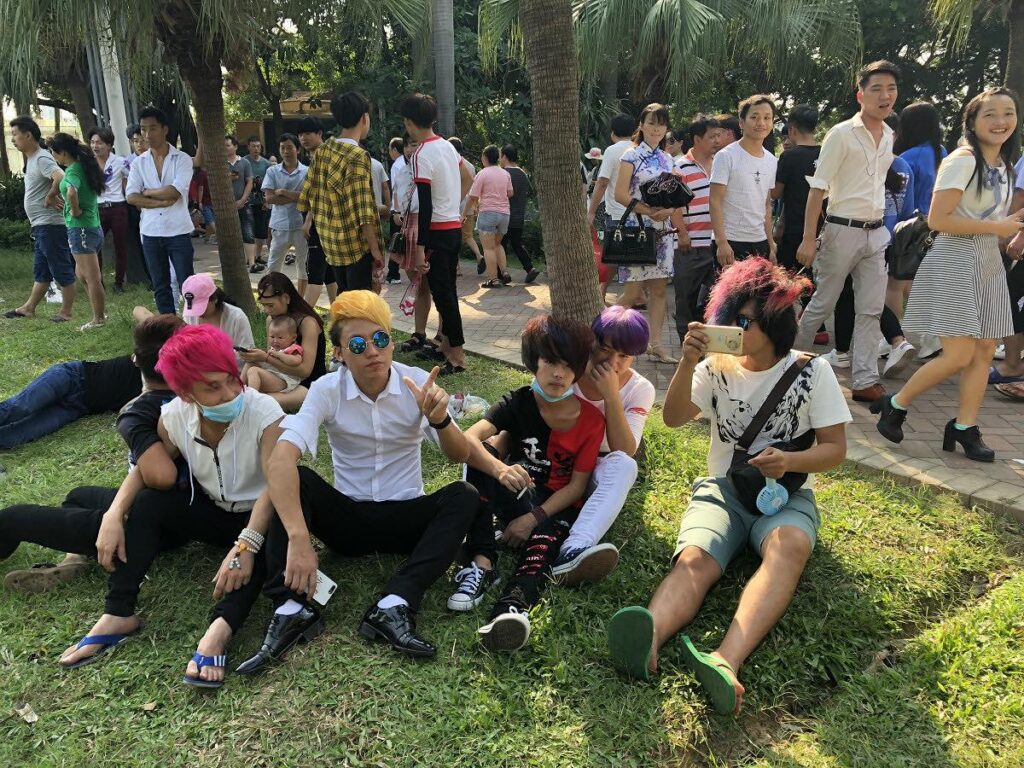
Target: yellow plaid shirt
x=339, y=192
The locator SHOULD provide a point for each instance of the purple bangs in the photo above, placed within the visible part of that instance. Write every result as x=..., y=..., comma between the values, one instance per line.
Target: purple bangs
x=624, y=330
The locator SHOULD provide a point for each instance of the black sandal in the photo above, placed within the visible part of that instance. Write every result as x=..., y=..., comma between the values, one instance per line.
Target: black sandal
x=450, y=368
x=416, y=341
x=431, y=353
x=494, y=282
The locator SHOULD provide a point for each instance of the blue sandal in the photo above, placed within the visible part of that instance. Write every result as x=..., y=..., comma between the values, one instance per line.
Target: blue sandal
x=107, y=643
x=206, y=661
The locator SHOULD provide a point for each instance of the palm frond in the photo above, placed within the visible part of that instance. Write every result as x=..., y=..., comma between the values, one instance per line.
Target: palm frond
x=499, y=32
x=954, y=19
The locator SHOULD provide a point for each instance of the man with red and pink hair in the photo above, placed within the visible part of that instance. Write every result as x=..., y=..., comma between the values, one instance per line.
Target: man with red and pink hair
x=804, y=432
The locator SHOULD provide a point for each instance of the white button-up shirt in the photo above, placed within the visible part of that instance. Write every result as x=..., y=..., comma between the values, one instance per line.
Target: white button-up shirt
x=375, y=445
x=851, y=169
x=177, y=173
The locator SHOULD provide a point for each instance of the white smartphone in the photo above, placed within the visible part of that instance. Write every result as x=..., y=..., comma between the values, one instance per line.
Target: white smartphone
x=325, y=588
x=724, y=339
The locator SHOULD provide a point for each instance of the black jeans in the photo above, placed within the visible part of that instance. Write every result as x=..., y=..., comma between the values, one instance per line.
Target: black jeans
x=695, y=273
x=741, y=251
x=844, y=317
x=159, y=520
x=443, y=256
x=357, y=276
x=514, y=239
x=429, y=529
x=533, y=570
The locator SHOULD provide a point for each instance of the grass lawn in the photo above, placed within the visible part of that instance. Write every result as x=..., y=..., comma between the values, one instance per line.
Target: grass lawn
x=902, y=646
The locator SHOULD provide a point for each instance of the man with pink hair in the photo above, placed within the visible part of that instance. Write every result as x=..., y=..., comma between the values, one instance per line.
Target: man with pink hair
x=799, y=418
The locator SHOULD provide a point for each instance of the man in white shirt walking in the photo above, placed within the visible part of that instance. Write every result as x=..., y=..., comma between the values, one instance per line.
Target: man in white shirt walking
x=855, y=157
x=158, y=185
x=377, y=413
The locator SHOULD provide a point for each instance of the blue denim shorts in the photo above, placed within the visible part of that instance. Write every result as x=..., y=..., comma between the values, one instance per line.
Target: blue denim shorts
x=52, y=257
x=492, y=222
x=207, y=215
x=85, y=240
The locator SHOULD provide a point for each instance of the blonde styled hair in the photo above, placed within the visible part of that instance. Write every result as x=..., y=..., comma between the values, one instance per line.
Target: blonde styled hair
x=361, y=305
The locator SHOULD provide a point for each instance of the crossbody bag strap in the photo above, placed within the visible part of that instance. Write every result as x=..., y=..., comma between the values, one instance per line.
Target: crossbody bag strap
x=629, y=210
x=771, y=403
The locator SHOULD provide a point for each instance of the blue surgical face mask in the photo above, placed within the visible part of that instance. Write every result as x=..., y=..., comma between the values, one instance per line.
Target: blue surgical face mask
x=225, y=412
x=535, y=386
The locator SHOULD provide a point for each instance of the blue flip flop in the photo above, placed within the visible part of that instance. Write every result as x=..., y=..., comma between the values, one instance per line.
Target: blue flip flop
x=107, y=643
x=995, y=377
x=206, y=661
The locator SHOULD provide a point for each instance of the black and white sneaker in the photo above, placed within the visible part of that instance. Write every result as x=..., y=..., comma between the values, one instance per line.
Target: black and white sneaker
x=507, y=631
x=581, y=565
x=471, y=582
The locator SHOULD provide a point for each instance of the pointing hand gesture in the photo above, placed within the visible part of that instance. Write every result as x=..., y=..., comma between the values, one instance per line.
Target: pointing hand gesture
x=432, y=399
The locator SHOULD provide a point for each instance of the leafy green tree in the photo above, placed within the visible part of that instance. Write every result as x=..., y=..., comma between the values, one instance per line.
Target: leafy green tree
x=956, y=19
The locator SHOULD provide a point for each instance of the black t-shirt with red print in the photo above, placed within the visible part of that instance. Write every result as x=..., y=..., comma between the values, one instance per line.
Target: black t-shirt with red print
x=549, y=456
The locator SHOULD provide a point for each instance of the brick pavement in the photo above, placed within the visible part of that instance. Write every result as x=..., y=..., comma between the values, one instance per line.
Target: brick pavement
x=493, y=319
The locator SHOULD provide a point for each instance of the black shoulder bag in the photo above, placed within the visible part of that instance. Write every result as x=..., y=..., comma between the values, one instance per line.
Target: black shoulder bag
x=633, y=247
x=748, y=481
x=911, y=240
x=397, y=243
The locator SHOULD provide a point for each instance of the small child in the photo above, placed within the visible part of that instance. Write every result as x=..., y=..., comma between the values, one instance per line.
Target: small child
x=281, y=338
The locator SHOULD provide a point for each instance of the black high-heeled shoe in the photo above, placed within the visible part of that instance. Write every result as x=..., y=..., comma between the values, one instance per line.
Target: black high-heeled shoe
x=974, y=447
x=890, y=425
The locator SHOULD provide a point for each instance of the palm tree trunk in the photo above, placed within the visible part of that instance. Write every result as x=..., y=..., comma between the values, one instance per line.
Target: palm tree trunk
x=1015, y=51
x=208, y=101
x=443, y=30
x=5, y=161
x=554, y=87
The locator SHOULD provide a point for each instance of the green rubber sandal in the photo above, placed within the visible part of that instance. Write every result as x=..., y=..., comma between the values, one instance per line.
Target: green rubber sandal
x=630, y=636
x=710, y=673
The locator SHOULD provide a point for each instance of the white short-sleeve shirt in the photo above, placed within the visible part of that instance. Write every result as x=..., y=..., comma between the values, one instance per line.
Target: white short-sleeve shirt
x=958, y=171
x=232, y=474
x=403, y=190
x=747, y=180
x=637, y=396
x=375, y=445
x=437, y=163
x=177, y=172
x=730, y=397
x=609, y=169
x=115, y=173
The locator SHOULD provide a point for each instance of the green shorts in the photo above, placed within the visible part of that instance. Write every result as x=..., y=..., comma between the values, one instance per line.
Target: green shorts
x=718, y=523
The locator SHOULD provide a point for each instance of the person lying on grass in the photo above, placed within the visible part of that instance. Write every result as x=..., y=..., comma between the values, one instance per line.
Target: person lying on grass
x=537, y=487
x=225, y=433
x=722, y=518
x=136, y=423
x=376, y=413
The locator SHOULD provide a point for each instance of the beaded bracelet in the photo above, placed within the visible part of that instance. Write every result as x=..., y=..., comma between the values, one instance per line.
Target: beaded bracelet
x=255, y=537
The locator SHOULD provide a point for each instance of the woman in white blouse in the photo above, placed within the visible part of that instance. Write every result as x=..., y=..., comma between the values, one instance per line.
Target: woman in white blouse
x=960, y=292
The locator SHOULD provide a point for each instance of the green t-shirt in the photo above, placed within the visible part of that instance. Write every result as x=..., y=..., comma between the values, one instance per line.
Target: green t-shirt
x=74, y=176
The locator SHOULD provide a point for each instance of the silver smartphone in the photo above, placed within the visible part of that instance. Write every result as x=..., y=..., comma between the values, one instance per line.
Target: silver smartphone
x=325, y=588
x=724, y=339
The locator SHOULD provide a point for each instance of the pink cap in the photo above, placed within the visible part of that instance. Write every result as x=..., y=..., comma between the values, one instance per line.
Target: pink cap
x=594, y=153
x=196, y=291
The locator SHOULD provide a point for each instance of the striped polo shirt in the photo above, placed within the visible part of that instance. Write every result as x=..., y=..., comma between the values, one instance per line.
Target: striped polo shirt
x=698, y=216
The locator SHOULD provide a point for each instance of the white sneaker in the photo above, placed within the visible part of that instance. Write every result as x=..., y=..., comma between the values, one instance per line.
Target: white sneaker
x=1000, y=352
x=898, y=358
x=930, y=346
x=507, y=632
x=837, y=359
x=884, y=348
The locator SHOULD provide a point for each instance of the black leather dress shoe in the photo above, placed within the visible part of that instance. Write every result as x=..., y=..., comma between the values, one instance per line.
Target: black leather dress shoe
x=395, y=626
x=282, y=633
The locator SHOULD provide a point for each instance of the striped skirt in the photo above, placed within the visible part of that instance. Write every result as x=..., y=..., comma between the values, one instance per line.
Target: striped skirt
x=960, y=290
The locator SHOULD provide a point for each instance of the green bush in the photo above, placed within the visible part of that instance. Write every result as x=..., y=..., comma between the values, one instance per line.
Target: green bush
x=12, y=195
x=15, y=234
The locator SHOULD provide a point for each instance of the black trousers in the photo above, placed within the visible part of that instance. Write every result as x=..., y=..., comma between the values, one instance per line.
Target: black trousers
x=357, y=276
x=513, y=240
x=695, y=273
x=159, y=521
x=533, y=571
x=786, y=253
x=844, y=318
x=741, y=251
x=428, y=529
x=443, y=256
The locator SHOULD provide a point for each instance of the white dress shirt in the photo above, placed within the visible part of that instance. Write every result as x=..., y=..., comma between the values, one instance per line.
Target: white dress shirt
x=375, y=445
x=232, y=473
x=851, y=169
x=177, y=172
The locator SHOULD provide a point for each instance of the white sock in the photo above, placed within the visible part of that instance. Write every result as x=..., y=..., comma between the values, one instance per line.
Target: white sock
x=289, y=607
x=390, y=601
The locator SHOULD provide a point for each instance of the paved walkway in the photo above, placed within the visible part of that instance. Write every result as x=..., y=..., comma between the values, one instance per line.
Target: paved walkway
x=493, y=320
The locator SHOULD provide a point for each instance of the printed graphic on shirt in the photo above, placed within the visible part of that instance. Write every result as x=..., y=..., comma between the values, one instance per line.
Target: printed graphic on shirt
x=734, y=416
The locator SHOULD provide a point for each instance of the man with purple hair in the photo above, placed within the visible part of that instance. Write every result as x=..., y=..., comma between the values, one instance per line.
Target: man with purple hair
x=804, y=432
x=625, y=398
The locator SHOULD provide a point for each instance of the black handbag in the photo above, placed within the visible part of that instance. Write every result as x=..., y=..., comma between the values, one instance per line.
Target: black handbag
x=911, y=240
x=747, y=481
x=396, y=244
x=630, y=246
x=666, y=191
